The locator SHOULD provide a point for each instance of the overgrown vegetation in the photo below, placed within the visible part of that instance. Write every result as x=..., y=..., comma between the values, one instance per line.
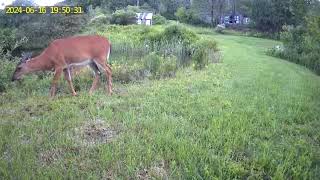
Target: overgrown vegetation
x=171, y=47
x=301, y=44
x=124, y=17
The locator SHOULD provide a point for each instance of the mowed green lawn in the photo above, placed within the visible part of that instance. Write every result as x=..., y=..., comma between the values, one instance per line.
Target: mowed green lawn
x=251, y=116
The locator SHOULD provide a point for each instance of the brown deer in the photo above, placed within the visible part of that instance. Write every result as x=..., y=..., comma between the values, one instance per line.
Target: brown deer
x=64, y=54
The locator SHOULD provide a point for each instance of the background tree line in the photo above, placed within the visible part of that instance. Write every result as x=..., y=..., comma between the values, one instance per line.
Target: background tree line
x=296, y=22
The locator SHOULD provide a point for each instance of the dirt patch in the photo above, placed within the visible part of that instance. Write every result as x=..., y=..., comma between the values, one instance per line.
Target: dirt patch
x=96, y=132
x=50, y=156
x=157, y=171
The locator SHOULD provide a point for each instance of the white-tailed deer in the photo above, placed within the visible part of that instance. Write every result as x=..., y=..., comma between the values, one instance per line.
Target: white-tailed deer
x=64, y=54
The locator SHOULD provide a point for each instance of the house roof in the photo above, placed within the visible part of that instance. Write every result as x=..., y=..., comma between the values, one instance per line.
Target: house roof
x=144, y=15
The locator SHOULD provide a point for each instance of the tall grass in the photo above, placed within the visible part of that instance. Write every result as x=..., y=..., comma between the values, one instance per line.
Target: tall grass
x=133, y=45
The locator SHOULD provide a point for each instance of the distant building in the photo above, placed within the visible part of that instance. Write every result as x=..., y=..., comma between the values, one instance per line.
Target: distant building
x=235, y=19
x=144, y=18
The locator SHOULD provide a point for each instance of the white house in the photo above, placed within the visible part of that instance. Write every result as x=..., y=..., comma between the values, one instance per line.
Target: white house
x=144, y=18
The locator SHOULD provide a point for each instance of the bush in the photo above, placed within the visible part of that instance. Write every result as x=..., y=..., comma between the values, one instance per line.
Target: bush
x=132, y=71
x=177, y=32
x=140, y=52
x=152, y=63
x=123, y=17
x=277, y=51
x=160, y=67
x=100, y=20
x=186, y=16
x=168, y=67
x=159, y=20
x=204, y=52
x=302, y=44
x=7, y=68
x=7, y=39
x=41, y=30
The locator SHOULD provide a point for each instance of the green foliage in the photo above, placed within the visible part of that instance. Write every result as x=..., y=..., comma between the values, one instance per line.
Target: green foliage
x=99, y=17
x=6, y=71
x=159, y=20
x=134, y=9
x=302, y=44
x=7, y=39
x=160, y=67
x=41, y=30
x=118, y=4
x=132, y=71
x=174, y=40
x=168, y=8
x=4, y=20
x=123, y=17
x=204, y=53
x=100, y=20
x=177, y=32
x=152, y=63
x=271, y=15
x=187, y=16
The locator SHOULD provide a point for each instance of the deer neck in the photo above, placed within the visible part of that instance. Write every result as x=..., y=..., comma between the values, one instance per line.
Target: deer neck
x=39, y=63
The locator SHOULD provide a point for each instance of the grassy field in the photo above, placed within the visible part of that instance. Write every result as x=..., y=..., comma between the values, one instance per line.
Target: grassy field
x=251, y=116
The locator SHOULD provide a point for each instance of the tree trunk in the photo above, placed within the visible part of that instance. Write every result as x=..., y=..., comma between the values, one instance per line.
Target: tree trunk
x=212, y=13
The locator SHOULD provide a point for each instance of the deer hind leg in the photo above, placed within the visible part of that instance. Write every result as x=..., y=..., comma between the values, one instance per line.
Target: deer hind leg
x=107, y=69
x=56, y=77
x=68, y=78
x=97, y=74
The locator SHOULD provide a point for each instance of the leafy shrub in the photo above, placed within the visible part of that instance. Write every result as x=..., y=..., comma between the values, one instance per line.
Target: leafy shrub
x=152, y=63
x=41, y=30
x=277, y=51
x=158, y=20
x=132, y=71
x=174, y=40
x=160, y=51
x=302, y=44
x=7, y=68
x=123, y=17
x=168, y=67
x=187, y=16
x=133, y=9
x=173, y=33
x=204, y=53
x=7, y=39
x=181, y=33
x=160, y=67
x=100, y=20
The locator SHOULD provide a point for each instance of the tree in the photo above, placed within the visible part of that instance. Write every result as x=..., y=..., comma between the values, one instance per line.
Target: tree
x=210, y=11
x=169, y=7
x=271, y=15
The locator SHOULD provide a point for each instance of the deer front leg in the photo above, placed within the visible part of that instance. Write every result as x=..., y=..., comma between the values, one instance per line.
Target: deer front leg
x=54, y=82
x=67, y=77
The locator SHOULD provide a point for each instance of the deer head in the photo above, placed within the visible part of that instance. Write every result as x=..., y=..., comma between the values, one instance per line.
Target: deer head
x=22, y=67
